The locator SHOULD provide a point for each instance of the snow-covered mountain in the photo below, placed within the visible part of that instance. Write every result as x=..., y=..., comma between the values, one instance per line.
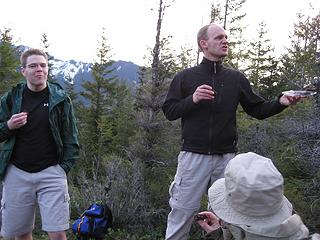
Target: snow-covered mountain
x=68, y=70
x=75, y=72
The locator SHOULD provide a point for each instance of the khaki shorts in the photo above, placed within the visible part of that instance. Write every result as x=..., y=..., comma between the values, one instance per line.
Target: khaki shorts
x=22, y=191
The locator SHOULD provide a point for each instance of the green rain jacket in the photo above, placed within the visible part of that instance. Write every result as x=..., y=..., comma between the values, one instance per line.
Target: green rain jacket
x=61, y=119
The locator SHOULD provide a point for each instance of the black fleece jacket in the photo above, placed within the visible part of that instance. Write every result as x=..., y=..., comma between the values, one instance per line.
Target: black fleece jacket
x=209, y=127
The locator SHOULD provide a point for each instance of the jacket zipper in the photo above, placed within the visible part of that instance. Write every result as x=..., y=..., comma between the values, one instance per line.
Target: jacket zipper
x=211, y=115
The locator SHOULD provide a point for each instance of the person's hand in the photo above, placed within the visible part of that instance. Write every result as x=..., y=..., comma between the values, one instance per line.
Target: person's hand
x=17, y=120
x=203, y=92
x=289, y=100
x=210, y=223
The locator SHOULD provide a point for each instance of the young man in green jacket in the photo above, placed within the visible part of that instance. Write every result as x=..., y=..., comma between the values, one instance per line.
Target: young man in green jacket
x=39, y=145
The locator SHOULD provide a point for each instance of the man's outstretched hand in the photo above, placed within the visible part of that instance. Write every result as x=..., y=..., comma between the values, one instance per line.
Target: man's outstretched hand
x=290, y=100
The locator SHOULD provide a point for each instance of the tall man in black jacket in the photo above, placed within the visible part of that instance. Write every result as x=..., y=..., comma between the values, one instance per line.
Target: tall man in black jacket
x=206, y=97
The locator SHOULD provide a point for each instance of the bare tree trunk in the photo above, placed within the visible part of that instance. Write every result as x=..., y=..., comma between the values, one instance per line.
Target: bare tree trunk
x=225, y=14
x=156, y=49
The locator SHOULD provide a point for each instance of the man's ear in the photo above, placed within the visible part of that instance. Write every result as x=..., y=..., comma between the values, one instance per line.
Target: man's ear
x=22, y=70
x=203, y=44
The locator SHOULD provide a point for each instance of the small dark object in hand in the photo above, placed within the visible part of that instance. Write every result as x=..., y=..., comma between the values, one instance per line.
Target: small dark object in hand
x=200, y=217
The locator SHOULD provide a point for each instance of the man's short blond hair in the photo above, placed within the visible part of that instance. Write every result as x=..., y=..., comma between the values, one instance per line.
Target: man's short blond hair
x=30, y=52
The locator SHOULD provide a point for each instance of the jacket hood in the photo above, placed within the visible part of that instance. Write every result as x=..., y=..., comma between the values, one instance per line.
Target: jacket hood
x=57, y=94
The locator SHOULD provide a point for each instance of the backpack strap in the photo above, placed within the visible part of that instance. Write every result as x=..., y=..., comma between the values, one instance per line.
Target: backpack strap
x=79, y=225
x=79, y=237
x=108, y=214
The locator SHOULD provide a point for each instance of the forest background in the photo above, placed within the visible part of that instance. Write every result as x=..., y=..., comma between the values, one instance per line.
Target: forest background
x=129, y=150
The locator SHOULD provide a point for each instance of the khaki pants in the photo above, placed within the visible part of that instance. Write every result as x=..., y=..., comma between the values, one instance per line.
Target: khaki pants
x=195, y=174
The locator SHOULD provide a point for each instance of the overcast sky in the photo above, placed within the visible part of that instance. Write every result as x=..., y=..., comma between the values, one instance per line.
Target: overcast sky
x=74, y=27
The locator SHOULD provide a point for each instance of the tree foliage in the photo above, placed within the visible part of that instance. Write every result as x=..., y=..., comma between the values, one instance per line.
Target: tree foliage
x=9, y=61
x=229, y=14
x=150, y=94
x=300, y=63
x=262, y=69
x=100, y=94
x=45, y=46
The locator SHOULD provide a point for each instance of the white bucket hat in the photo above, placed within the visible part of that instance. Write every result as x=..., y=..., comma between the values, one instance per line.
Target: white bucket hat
x=251, y=193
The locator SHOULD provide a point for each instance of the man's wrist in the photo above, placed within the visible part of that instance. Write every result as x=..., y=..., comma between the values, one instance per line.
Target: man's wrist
x=215, y=234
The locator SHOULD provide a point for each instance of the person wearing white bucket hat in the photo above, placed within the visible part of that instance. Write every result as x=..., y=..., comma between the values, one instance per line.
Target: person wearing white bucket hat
x=248, y=203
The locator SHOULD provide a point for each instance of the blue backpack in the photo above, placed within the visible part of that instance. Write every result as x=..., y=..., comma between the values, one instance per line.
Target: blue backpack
x=93, y=222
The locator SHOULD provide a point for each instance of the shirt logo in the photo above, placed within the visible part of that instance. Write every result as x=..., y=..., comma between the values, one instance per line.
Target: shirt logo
x=46, y=104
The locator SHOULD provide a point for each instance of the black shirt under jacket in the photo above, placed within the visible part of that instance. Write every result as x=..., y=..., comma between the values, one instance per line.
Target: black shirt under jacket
x=209, y=127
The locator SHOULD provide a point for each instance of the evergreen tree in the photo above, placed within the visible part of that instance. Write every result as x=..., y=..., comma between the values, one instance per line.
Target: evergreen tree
x=9, y=61
x=262, y=67
x=106, y=119
x=155, y=145
x=299, y=65
x=70, y=89
x=45, y=46
x=186, y=58
x=96, y=124
x=150, y=94
x=124, y=120
x=229, y=14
